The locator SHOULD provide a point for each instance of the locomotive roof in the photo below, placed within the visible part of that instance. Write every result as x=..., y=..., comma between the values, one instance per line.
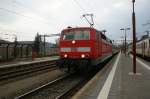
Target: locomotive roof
x=90, y=28
x=70, y=28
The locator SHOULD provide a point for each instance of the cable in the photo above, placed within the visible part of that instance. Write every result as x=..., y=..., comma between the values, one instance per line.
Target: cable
x=15, y=13
x=29, y=8
x=79, y=5
x=28, y=17
x=21, y=5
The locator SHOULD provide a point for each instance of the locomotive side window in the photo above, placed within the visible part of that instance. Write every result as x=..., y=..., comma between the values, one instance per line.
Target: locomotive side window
x=76, y=35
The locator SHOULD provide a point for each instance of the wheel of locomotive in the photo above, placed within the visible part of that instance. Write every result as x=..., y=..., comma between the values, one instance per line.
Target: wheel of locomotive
x=59, y=64
x=69, y=66
x=66, y=66
x=84, y=66
x=87, y=66
x=62, y=64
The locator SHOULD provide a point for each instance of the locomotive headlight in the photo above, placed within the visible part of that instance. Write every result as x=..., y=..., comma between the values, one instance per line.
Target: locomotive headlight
x=73, y=42
x=65, y=55
x=82, y=56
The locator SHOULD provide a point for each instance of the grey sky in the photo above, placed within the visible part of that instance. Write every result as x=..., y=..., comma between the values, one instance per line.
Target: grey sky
x=27, y=17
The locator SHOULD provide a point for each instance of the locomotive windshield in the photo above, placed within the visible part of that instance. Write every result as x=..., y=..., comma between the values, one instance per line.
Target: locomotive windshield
x=76, y=35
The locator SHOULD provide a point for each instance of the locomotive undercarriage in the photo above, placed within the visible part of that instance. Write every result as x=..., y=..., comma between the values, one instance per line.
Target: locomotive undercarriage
x=83, y=64
x=69, y=65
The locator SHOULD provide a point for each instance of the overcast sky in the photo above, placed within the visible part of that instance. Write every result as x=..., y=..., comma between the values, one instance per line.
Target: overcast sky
x=27, y=17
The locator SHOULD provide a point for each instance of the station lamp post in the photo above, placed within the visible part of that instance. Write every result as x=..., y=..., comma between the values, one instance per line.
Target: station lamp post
x=123, y=48
x=123, y=44
x=15, y=47
x=134, y=37
x=125, y=30
x=45, y=45
x=15, y=37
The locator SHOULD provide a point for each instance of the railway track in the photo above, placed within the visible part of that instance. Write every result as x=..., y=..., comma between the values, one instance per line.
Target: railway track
x=25, y=69
x=62, y=88
x=54, y=88
x=70, y=92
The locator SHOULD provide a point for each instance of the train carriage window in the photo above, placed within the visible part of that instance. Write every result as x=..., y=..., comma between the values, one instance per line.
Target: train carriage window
x=138, y=45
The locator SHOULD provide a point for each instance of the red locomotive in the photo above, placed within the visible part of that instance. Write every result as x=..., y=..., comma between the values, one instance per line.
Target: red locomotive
x=83, y=47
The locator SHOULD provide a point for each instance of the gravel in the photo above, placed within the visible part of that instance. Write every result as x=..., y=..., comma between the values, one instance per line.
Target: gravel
x=18, y=87
x=54, y=90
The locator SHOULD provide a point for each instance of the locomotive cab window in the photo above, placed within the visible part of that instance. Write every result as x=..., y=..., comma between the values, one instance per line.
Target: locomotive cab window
x=76, y=35
x=103, y=36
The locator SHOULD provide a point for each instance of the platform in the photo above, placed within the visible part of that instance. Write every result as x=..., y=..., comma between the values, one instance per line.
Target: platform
x=23, y=62
x=116, y=81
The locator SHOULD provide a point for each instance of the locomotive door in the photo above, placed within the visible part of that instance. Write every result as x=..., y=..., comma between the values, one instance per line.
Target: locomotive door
x=99, y=43
x=143, y=49
x=149, y=48
x=96, y=44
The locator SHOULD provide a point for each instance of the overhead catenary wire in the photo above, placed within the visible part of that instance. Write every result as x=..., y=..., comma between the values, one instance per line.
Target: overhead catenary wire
x=19, y=4
x=80, y=6
x=16, y=2
x=20, y=14
x=27, y=8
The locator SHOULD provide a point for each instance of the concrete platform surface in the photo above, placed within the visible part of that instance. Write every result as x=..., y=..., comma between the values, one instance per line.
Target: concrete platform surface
x=16, y=63
x=117, y=81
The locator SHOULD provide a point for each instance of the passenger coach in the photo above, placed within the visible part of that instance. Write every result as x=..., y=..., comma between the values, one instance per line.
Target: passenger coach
x=142, y=48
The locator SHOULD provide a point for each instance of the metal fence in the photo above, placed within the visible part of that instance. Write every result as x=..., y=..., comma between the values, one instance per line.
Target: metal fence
x=10, y=51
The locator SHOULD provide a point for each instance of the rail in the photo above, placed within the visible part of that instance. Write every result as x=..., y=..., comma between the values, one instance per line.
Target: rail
x=22, y=69
x=39, y=88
